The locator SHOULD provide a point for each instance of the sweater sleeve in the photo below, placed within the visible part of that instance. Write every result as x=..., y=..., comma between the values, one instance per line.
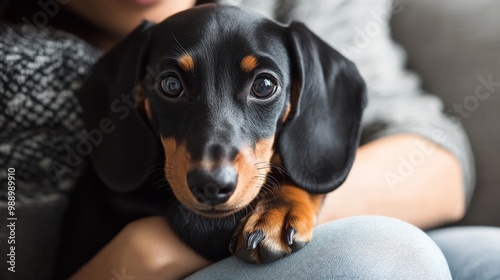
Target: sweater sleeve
x=40, y=122
x=360, y=30
x=39, y=126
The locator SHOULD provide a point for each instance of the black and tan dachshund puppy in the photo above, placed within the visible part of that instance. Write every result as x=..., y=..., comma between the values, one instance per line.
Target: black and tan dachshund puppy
x=216, y=98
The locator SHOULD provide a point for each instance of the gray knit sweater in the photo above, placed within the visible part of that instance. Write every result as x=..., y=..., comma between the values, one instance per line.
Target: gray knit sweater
x=40, y=69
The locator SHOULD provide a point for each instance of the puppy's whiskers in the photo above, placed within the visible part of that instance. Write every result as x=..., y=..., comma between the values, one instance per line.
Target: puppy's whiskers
x=155, y=168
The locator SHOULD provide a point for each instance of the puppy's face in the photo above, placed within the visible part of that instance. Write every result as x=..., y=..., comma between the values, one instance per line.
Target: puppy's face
x=217, y=89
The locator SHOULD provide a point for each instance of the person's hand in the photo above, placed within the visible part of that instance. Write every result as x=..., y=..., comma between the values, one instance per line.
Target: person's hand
x=146, y=249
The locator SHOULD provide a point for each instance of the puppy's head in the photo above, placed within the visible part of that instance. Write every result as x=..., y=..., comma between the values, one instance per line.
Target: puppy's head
x=217, y=91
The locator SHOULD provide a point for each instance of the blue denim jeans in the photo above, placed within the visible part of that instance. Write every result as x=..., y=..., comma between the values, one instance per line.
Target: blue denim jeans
x=366, y=247
x=473, y=253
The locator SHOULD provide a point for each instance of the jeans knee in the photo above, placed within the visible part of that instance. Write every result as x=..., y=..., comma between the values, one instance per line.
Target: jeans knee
x=381, y=247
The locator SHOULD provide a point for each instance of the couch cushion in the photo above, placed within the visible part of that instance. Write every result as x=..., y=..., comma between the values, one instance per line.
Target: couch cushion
x=454, y=45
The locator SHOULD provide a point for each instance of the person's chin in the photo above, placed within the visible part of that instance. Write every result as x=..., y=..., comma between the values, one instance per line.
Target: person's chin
x=141, y=2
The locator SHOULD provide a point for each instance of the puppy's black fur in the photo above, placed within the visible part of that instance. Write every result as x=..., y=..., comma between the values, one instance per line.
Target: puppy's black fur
x=311, y=121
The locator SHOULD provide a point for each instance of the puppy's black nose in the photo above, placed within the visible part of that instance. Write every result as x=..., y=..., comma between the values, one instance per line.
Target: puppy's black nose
x=213, y=187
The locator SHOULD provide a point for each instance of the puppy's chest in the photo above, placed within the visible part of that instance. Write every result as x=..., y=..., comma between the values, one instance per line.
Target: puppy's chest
x=210, y=237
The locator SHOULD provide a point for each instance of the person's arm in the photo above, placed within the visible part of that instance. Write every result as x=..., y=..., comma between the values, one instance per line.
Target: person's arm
x=144, y=249
x=402, y=176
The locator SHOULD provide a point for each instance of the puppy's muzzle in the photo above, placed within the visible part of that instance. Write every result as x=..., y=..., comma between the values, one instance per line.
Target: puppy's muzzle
x=213, y=186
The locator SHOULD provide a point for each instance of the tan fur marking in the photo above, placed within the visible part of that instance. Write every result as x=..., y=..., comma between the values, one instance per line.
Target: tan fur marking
x=248, y=63
x=287, y=112
x=186, y=62
x=252, y=166
x=177, y=161
x=147, y=108
x=142, y=102
x=276, y=158
x=204, y=164
x=264, y=149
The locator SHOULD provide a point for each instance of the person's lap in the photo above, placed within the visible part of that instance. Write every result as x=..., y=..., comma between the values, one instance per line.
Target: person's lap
x=472, y=252
x=353, y=248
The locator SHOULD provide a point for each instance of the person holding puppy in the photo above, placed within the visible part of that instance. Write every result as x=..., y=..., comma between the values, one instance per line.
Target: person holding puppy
x=77, y=34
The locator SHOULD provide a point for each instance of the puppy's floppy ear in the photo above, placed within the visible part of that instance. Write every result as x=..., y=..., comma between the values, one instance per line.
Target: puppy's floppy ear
x=124, y=146
x=318, y=144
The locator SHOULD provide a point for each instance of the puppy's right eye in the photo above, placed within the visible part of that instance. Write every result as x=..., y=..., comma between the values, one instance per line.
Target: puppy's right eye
x=264, y=87
x=171, y=86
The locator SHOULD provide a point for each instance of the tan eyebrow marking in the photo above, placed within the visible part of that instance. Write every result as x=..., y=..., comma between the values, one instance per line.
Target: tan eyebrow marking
x=248, y=63
x=186, y=62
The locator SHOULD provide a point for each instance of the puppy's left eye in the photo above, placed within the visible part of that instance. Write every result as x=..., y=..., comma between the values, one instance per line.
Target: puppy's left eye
x=264, y=87
x=171, y=86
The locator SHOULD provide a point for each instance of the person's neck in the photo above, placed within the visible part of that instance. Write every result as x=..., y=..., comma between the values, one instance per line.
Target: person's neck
x=89, y=32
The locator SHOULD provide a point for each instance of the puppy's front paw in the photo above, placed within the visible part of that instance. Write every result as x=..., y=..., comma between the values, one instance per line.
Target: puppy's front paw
x=282, y=222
